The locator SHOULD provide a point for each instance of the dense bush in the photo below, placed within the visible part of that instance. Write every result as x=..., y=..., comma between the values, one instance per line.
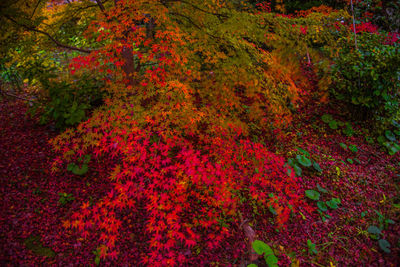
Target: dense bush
x=67, y=103
x=367, y=78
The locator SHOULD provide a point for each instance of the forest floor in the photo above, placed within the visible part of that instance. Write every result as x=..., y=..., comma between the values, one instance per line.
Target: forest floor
x=34, y=201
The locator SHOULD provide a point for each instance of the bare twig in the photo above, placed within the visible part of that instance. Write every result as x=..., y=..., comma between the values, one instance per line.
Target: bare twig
x=354, y=24
x=16, y=96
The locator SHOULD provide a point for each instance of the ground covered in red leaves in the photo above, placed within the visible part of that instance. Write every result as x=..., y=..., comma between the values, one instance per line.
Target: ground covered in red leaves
x=35, y=202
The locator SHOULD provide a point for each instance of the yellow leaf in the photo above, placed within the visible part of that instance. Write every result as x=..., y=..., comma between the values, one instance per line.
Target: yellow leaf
x=295, y=263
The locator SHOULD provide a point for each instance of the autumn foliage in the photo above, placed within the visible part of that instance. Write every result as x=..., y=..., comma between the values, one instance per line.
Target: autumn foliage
x=176, y=134
x=194, y=95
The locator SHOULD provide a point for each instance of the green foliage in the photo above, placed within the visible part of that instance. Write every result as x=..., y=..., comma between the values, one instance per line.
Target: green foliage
x=326, y=118
x=333, y=125
x=389, y=140
x=97, y=256
x=317, y=167
x=65, y=198
x=367, y=79
x=353, y=148
x=34, y=244
x=343, y=145
x=333, y=203
x=311, y=247
x=374, y=230
x=80, y=170
x=261, y=248
x=312, y=194
x=348, y=130
x=384, y=245
x=322, y=206
x=68, y=103
x=321, y=189
x=375, y=233
x=304, y=160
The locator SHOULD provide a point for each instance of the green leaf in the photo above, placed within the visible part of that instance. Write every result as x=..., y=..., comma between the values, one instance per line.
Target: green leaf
x=333, y=125
x=80, y=171
x=311, y=247
x=333, y=204
x=374, y=230
x=312, y=194
x=389, y=221
x=306, y=162
x=390, y=136
x=348, y=130
x=71, y=166
x=342, y=145
x=353, y=148
x=322, y=206
x=86, y=159
x=384, y=245
x=297, y=170
x=350, y=161
x=260, y=247
x=272, y=210
x=380, y=139
x=291, y=162
x=321, y=189
x=97, y=260
x=326, y=118
x=271, y=260
x=252, y=265
x=303, y=151
x=317, y=167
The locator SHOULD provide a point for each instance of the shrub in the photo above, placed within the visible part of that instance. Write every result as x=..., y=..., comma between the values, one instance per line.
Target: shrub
x=67, y=103
x=368, y=78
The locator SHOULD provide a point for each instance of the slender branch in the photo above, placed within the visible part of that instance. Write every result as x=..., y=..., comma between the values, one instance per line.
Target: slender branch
x=34, y=10
x=354, y=24
x=15, y=96
x=58, y=43
x=194, y=24
x=101, y=6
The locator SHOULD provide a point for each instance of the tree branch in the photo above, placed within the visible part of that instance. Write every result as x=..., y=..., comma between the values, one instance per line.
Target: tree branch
x=101, y=6
x=16, y=96
x=34, y=10
x=58, y=43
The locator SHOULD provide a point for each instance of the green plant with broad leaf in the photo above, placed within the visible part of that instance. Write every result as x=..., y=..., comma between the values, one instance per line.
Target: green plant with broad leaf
x=390, y=139
x=366, y=78
x=97, y=256
x=66, y=103
x=262, y=248
x=303, y=160
x=375, y=232
x=311, y=247
x=80, y=169
x=322, y=205
x=312, y=194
